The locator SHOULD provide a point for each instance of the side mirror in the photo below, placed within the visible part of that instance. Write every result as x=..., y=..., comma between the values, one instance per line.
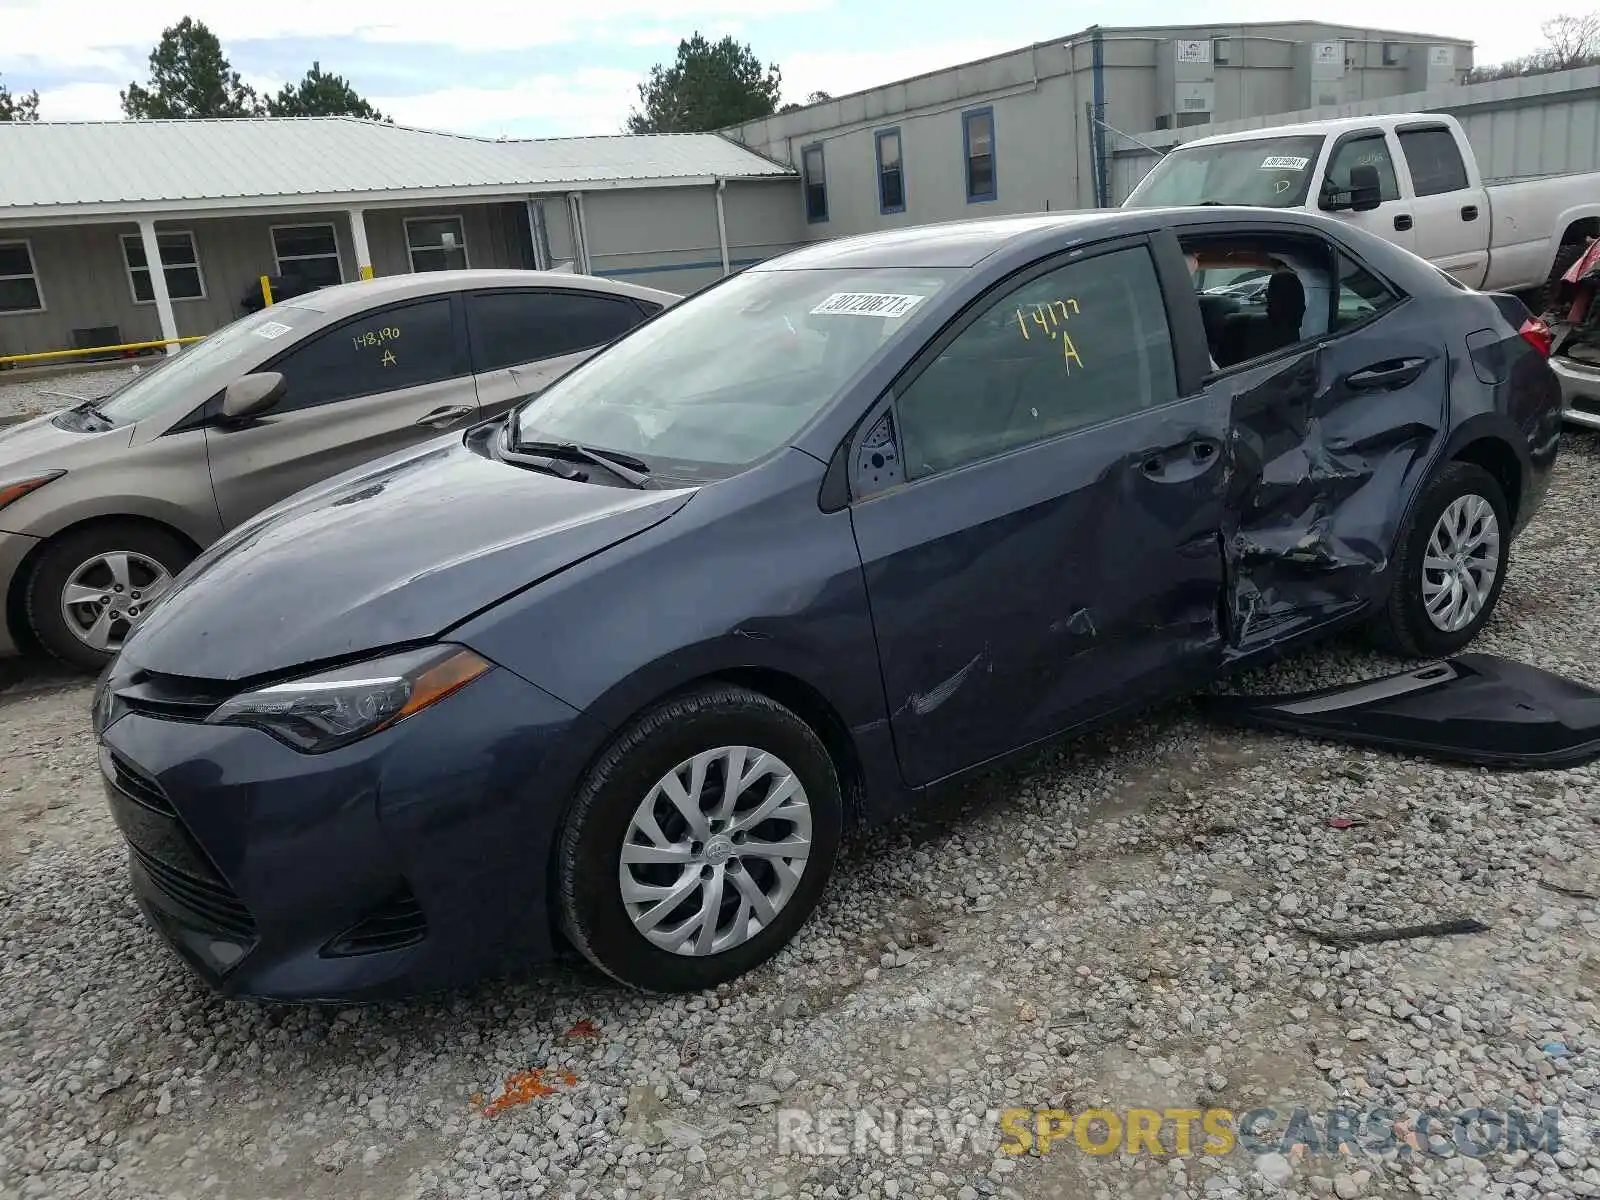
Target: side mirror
x=1365, y=192
x=251, y=395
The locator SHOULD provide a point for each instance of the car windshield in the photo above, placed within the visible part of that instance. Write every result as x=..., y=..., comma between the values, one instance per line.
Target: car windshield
x=727, y=377
x=150, y=390
x=1262, y=172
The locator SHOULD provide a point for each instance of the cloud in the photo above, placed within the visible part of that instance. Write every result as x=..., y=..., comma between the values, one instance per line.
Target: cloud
x=586, y=101
x=101, y=33
x=81, y=102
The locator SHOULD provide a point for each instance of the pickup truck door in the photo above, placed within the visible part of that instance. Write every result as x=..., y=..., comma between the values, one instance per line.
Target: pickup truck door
x=1392, y=220
x=1450, y=209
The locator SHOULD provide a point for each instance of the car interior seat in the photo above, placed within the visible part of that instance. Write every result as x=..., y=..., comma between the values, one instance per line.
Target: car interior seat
x=1250, y=335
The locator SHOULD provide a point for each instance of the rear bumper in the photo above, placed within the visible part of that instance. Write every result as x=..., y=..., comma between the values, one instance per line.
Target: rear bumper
x=14, y=547
x=1580, y=392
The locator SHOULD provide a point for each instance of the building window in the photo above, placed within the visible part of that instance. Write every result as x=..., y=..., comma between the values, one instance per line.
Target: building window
x=436, y=243
x=814, y=175
x=308, y=255
x=891, y=175
x=179, y=262
x=19, y=279
x=977, y=136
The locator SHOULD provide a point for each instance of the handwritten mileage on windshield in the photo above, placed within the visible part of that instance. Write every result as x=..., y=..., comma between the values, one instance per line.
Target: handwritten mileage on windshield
x=1049, y=321
x=379, y=338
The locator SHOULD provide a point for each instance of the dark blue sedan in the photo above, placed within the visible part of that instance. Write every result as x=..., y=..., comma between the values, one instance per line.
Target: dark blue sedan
x=621, y=667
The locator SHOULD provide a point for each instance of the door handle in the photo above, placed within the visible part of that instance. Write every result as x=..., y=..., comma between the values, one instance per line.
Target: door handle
x=439, y=418
x=1402, y=222
x=1469, y=212
x=1386, y=376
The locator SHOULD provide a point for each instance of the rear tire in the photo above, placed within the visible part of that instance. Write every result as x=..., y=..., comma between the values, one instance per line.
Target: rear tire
x=1449, y=565
x=66, y=630
x=730, y=871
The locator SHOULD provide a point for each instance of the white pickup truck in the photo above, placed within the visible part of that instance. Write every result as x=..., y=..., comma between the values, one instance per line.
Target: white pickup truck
x=1412, y=179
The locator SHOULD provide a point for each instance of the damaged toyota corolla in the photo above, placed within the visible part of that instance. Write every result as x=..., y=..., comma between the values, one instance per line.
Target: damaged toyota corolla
x=618, y=669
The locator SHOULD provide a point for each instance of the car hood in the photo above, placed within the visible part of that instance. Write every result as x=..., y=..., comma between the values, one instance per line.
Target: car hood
x=397, y=553
x=40, y=441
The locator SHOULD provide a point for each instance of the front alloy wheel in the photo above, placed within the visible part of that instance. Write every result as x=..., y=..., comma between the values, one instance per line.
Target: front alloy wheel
x=715, y=851
x=92, y=587
x=699, y=842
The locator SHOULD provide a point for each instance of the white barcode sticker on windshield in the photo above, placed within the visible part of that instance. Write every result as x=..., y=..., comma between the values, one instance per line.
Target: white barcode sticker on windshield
x=1285, y=162
x=272, y=329
x=866, y=304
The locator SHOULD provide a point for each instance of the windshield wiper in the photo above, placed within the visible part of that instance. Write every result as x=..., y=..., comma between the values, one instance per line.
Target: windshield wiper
x=90, y=408
x=625, y=467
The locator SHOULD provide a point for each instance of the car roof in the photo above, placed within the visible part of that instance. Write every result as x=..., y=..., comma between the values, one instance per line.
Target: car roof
x=967, y=243
x=345, y=298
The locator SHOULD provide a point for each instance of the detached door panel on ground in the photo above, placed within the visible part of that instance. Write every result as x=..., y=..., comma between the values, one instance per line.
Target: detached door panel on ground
x=1054, y=554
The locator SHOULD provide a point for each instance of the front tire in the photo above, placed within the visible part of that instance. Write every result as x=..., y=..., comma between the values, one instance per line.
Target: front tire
x=669, y=879
x=90, y=589
x=1450, y=564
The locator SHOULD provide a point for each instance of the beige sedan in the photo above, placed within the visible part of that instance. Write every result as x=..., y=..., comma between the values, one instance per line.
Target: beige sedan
x=101, y=505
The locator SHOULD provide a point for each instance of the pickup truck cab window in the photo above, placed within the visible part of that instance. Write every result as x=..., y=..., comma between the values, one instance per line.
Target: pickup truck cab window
x=1435, y=161
x=1362, y=150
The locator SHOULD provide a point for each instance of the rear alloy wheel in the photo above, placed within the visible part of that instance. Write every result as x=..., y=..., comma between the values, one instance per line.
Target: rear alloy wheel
x=700, y=842
x=1450, y=566
x=91, y=589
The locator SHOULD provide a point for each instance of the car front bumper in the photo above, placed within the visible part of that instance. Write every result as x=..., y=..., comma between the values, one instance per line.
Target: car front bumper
x=1580, y=392
x=415, y=859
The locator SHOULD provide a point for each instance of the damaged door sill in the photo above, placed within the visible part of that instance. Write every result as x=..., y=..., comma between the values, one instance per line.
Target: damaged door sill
x=1477, y=709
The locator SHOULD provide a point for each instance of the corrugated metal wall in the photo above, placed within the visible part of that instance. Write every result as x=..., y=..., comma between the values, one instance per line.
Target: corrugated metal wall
x=1540, y=125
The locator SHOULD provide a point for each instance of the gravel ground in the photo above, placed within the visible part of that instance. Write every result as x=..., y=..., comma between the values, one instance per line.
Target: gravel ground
x=1118, y=924
x=21, y=394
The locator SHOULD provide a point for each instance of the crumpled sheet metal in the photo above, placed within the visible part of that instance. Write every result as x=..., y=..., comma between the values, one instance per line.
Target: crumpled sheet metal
x=1476, y=709
x=1319, y=479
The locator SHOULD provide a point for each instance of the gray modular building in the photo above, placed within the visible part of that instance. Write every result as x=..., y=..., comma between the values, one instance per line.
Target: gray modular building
x=1036, y=129
x=86, y=207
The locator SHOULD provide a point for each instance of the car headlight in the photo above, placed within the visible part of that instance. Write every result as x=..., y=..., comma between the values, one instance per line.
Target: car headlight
x=14, y=489
x=334, y=708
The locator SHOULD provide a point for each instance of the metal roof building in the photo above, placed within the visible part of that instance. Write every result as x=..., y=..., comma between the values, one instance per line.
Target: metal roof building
x=1035, y=128
x=85, y=207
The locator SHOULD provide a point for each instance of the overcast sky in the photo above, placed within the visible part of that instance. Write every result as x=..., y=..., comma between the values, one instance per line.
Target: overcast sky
x=548, y=67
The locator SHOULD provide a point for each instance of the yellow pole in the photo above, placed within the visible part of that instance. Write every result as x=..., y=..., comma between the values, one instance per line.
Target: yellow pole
x=266, y=290
x=159, y=342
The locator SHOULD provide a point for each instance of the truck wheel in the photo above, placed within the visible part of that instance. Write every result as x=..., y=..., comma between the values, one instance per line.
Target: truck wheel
x=1449, y=565
x=91, y=588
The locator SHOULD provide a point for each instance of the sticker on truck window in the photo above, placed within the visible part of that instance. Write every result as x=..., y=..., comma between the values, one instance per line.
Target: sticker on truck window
x=866, y=304
x=1284, y=162
x=273, y=329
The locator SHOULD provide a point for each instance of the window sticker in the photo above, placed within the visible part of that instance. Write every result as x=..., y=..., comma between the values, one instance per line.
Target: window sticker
x=273, y=329
x=866, y=304
x=1284, y=162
